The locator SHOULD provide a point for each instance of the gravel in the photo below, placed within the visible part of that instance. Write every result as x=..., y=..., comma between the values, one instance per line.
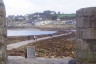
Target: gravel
x=37, y=60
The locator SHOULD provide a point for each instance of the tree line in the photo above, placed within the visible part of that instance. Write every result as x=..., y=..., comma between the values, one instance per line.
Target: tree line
x=45, y=15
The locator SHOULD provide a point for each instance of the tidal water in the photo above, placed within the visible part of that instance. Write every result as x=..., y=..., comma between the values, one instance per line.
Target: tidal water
x=27, y=32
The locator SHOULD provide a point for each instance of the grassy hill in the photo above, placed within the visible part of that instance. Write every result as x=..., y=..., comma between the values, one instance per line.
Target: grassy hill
x=66, y=15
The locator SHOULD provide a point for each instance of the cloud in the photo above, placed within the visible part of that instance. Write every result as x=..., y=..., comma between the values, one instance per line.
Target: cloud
x=18, y=7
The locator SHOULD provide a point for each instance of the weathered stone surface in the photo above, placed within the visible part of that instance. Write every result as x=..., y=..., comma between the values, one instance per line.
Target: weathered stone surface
x=93, y=21
x=2, y=9
x=79, y=13
x=86, y=17
x=83, y=22
x=86, y=35
x=86, y=22
x=89, y=33
x=89, y=11
x=3, y=31
x=31, y=52
x=86, y=12
x=79, y=33
x=86, y=50
x=3, y=34
x=82, y=48
x=2, y=22
x=82, y=44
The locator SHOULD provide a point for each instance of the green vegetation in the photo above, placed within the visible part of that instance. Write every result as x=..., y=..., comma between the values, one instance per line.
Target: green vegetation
x=45, y=15
x=66, y=15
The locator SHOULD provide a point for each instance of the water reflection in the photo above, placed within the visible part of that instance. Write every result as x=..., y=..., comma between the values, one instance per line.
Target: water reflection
x=27, y=32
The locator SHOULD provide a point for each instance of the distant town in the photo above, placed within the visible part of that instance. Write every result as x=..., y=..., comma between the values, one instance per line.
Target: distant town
x=41, y=18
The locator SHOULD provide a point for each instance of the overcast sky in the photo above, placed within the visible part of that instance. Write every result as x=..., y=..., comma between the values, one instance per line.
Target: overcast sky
x=23, y=7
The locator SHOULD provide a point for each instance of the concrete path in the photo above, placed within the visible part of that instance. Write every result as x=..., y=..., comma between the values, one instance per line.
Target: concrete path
x=37, y=60
x=19, y=44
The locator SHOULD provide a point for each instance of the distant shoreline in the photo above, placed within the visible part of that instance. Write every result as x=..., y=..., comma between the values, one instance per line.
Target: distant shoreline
x=25, y=29
x=44, y=27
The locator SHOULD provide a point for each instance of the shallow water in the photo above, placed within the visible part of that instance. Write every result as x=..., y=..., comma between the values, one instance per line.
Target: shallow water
x=27, y=32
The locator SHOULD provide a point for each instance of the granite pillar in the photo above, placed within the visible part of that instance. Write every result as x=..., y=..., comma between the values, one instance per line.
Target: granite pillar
x=3, y=33
x=86, y=35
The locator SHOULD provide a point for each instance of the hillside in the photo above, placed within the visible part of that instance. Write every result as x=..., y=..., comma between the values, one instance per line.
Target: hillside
x=66, y=15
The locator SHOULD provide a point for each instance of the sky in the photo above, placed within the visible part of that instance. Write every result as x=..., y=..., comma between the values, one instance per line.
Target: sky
x=23, y=7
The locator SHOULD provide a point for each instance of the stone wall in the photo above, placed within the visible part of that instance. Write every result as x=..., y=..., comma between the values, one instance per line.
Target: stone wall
x=3, y=33
x=86, y=35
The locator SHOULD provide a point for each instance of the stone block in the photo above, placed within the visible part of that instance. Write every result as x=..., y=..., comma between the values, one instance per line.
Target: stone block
x=82, y=44
x=92, y=45
x=79, y=33
x=72, y=61
x=89, y=33
x=2, y=10
x=3, y=53
x=3, y=31
x=79, y=13
x=93, y=21
x=83, y=22
x=84, y=50
x=2, y=22
x=86, y=35
x=31, y=52
x=86, y=12
x=90, y=11
x=86, y=21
